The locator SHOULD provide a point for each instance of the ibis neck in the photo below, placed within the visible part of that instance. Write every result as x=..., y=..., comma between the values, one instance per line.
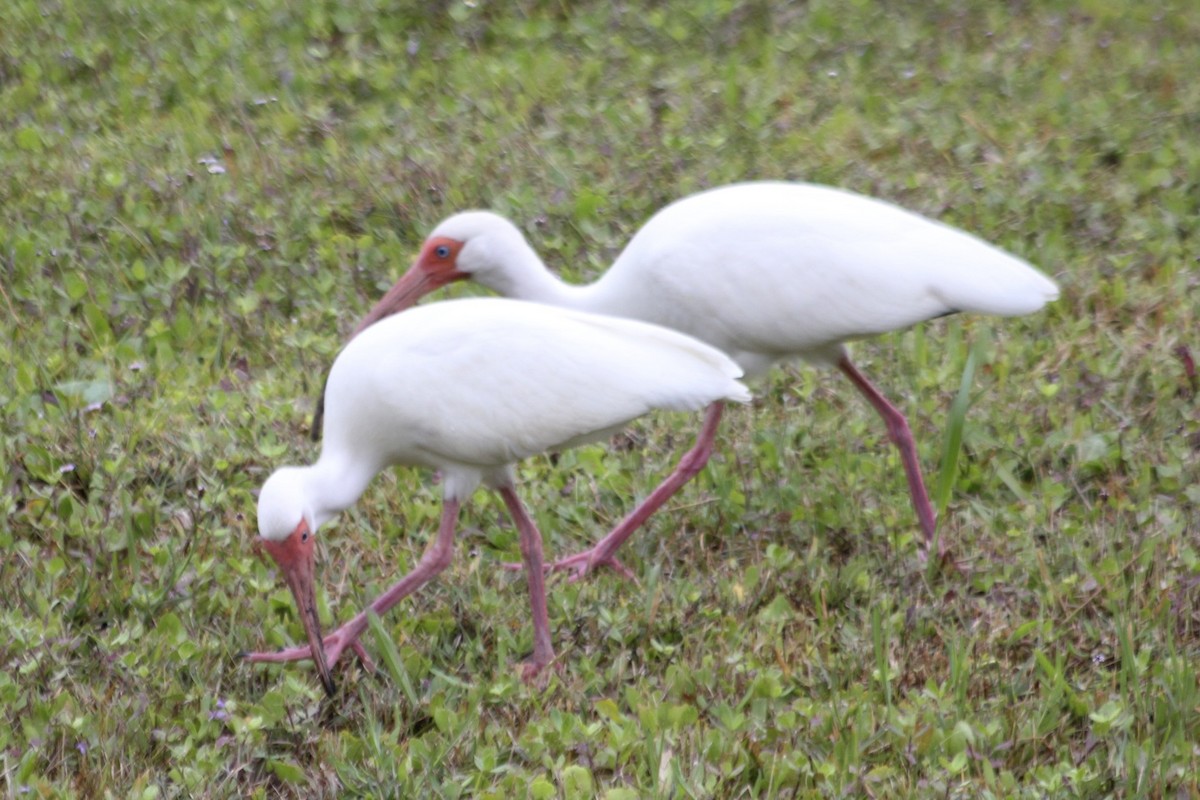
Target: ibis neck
x=525, y=277
x=334, y=484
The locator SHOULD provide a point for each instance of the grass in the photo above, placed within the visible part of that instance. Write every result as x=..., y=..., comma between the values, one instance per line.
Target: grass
x=201, y=199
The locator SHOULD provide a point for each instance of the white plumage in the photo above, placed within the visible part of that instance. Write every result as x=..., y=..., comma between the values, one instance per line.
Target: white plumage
x=762, y=271
x=469, y=387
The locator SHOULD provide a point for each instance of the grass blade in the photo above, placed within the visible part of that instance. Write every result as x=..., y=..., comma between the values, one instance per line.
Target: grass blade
x=954, y=427
x=391, y=656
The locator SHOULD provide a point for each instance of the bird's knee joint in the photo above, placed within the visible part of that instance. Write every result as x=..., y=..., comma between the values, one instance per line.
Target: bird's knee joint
x=529, y=550
x=695, y=460
x=440, y=558
x=901, y=433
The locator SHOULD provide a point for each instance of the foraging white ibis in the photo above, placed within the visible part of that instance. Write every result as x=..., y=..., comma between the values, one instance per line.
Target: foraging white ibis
x=763, y=271
x=468, y=388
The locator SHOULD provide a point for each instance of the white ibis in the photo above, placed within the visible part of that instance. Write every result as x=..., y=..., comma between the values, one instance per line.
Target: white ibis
x=763, y=271
x=469, y=387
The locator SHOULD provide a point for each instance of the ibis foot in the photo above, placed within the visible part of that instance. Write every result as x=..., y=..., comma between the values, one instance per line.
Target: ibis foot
x=537, y=675
x=945, y=559
x=581, y=564
x=334, y=644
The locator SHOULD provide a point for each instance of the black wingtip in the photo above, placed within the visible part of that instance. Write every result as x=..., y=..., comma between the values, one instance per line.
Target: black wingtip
x=318, y=416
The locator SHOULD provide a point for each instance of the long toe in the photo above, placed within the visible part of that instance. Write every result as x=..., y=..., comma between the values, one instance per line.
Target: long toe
x=570, y=562
x=334, y=644
x=582, y=568
x=580, y=564
x=530, y=672
x=534, y=674
x=363, y=658
x=280, y=656
x=947, y=561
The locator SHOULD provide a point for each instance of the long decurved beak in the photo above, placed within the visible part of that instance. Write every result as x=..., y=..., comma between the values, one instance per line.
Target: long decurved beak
x=404, y=293
x=412, y=286
x=294, y=555
x=306, y=603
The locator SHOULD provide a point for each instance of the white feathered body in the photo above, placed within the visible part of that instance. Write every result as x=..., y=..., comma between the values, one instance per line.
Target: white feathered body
x=485, y=382
x=764, y=271
x=470, y=387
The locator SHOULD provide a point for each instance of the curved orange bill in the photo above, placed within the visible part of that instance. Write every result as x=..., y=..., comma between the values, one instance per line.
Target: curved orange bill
x=420, y=280
x=294, y=555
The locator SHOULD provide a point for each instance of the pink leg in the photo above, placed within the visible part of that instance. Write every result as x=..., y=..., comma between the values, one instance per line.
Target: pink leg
x=436, y=558
x=601, y=554
x=531, y=552
x=902, y=437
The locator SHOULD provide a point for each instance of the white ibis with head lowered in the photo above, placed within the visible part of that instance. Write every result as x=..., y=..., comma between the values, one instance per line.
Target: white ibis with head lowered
x=763, y=271
x=469, y=387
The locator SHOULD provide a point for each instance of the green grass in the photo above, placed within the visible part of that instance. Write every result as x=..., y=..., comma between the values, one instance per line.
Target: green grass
x=201, y=199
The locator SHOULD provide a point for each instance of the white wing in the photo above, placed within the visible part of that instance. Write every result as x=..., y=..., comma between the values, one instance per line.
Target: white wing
x=484, y=382
x=780, y=268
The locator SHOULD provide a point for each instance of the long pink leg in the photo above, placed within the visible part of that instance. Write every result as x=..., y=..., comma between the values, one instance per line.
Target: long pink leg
x=902, y=437
x=531, y=552
x=435, y=559
x=601, y=554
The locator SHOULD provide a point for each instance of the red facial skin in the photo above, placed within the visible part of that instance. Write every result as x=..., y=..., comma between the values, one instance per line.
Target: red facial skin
x=434, y=268
x=294, y=555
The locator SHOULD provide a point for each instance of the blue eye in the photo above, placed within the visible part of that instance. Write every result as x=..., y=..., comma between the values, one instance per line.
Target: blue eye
x=442, y=251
